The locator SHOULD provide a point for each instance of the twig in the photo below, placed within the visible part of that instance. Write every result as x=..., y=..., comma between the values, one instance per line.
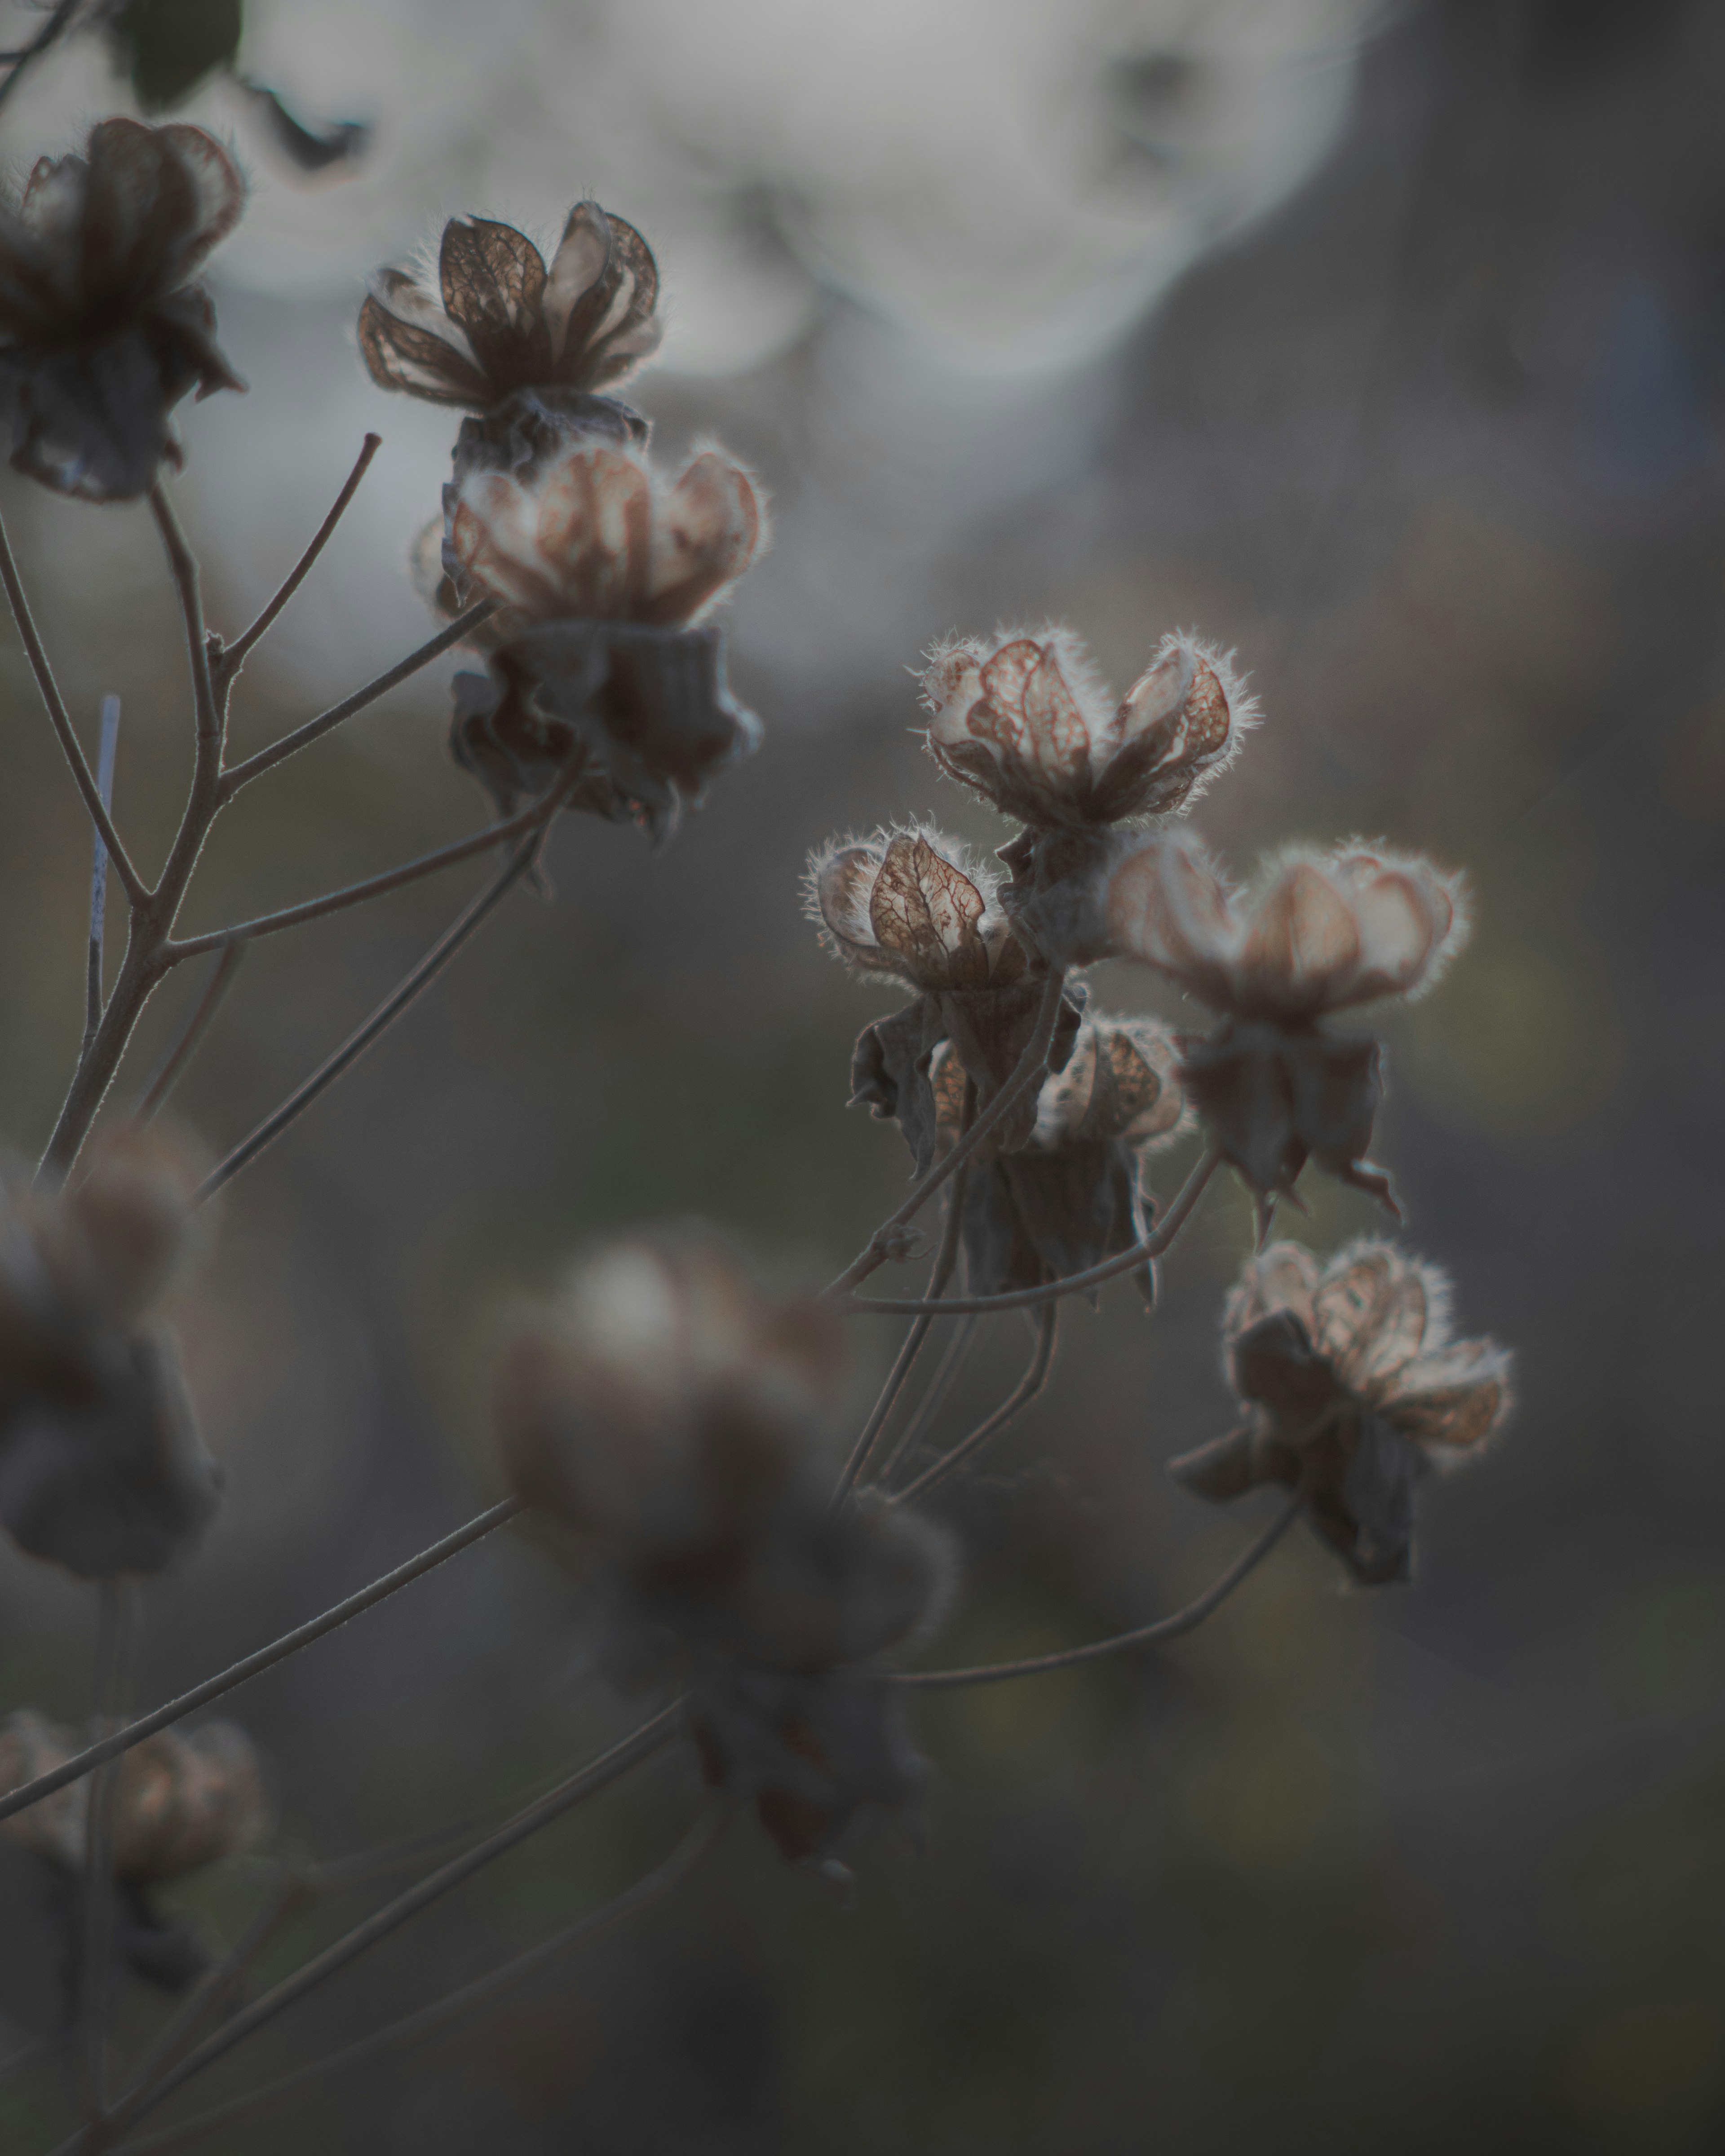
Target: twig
x=1145, y=1635
x=1028, y=1298
x=639, y=1745
x=99, y=875
x=357, y=894
x=229, y=661
x=243, y=774
x=1031, y=1069
x=385, y=1015
x=945, y=1259
x=929, y=1406
x=62, y=719
x=469, y=1999
x=1028, y=1387
x=183, y=564
x=202, y=1017
x=242, y=1672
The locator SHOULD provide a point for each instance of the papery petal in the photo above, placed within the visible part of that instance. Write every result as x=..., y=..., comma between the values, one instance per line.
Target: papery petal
x=492, y=279
x=408, y=344
x=925, y=910
x=1058, y=741
x=704, y=537
x=595, y=532
x=1168, y=908
x=1301, y=937
x=578, y=264
x=1458, y=1398
x=843, y=882
x=218, y=195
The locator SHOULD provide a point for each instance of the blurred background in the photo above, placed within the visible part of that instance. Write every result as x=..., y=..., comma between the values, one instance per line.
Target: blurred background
x=1383, y=344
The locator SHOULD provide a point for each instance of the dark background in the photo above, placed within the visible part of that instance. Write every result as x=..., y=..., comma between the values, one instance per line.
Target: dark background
x=1436, y=446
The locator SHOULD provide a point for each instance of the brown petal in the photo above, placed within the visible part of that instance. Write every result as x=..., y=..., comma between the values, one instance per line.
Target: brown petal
x=704, y=537
x=595, y=533
x=493, y=279
x=1166, y=907
x=492, y=539
x=578, y=264
x=1165, y=744
x=1058, y=739
x=925, y=912
x=218, y=194
x=1459, y=1398
x=140, y=201
x=398, y=356
x=611, y=324
x=1301, y=938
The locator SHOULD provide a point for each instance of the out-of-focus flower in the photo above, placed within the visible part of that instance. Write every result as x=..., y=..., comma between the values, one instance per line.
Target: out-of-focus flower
x=101, y=1467
x=501, y=320
x=1353, y=1386
x=102, y=331
x=184, y=1799
x=1026, y=722
x=600, y=569
x=1074, y=1195
x=1319, y=932
x=662, y=1420
x=909, y=906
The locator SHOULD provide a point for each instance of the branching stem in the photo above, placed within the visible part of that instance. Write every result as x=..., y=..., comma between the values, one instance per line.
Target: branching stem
x=1028, y=1387
x=229, y=661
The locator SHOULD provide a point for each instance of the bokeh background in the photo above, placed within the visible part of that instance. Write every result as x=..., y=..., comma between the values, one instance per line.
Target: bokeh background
x=1381, y=344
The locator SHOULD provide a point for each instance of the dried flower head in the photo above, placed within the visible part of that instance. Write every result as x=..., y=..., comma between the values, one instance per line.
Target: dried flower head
x=102, y=331
x=498, y=319
x=663, y=1420
x=101, y=1467
x=1026, y=721
x=1074, y=1194
x=1353, y=1386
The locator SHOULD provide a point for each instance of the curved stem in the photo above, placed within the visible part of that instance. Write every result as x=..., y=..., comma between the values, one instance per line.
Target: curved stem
x=1145, y=1635
x=241, y=1672
x=1031, y=1069
x=1028, y=1387
x=930, y=1406
x=1029, y=1298
x=468, y=2000
x=186, y=1046
x=230, y=661
x=266, y=759
x=61, y=719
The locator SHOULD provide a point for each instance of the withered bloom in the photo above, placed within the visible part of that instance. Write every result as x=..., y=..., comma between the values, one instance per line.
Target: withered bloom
x=661, y=1420
x=1025, y=721
x=101, y=1467
x=601, y=570
x=102, y=331
x=184, y=1799
x=1353, y=1387
x=906, y=904
x=1073, y=1196
x=1320, y=932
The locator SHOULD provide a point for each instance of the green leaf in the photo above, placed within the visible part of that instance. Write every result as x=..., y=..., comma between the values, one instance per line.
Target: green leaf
x=167, y=47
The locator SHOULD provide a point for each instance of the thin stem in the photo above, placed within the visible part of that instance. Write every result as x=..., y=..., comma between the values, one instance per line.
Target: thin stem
x=278, y=1651
x=1029, y=1298
x=59, y=18
x=99, y=875
x=639, y=1745
x=183, y=564
x=113, y=1627
x=468, y=2000
x=1031, y=1069
x=385, y=1015
x=62, y=719
x=1145, y=1635
x=945, y=1259
x=243, y=774
x=932, y=1401
x=202, y=1018
x=230, y=661
x=357, y=894
x=1028, y=1387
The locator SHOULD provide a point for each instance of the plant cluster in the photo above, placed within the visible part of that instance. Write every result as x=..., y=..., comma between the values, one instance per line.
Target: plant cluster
x=670, y=1432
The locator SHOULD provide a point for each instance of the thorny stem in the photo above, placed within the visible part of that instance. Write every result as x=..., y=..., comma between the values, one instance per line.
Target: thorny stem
x=945, y=1259
x=202, y=1017
x=243, y=774
x=229, y=661
x=1145, y=1635
x=932, y=1401
x=105, y=753
x=62, y=719
x=1153, y=1246
x=1031, y=1068
x=357, y=894
x=640, y=1744
x=467, y=1999
x=385, y=1015
x=1028, y=1387
x=113, y=1631
x=241, y=1672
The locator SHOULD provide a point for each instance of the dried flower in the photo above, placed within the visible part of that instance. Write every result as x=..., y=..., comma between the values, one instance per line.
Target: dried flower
x=102, y=331
x=662, y=1421
x=500, y=320
x=1028, y=724
x=1074, y=1195
x=1353, y=1387
x=909, y=906
x=101, y=1467
x=1320, y=932
x=184, y=1799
